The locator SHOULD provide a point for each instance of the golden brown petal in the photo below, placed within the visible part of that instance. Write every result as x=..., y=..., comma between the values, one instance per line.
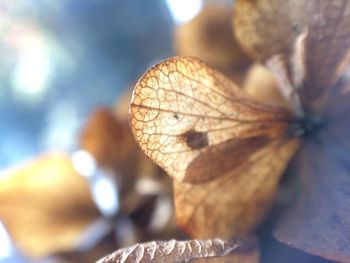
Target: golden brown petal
x=260, y=83
x=236, y=202
x=45, y=205
x=318, y=222
x=265, y=27
x=209, y=36
x=108, y=138
x=307, y=40
x=181, y=109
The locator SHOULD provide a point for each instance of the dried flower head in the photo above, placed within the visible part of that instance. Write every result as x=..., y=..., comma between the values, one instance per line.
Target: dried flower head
x=227, y=150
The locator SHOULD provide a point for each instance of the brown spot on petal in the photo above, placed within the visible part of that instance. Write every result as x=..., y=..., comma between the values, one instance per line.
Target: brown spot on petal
x=196, y=140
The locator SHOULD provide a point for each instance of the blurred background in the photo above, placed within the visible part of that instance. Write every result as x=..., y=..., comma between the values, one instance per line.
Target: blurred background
x=60, y=59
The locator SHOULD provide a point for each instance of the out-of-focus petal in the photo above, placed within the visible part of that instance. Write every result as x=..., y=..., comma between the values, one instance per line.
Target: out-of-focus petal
x=318, y=222
x=209, y=36
x=45, y=205
x=309, y=41
x=260, y=83
x=236, y=202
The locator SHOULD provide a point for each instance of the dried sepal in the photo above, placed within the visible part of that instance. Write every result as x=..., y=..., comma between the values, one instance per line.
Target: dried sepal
x=209, y=36
x=45, y=205
x=318, y=220
x=235, y=203
x=108, y=138
x=239, y=250
x=307, y=39
x=181, y=109
x=260, y=83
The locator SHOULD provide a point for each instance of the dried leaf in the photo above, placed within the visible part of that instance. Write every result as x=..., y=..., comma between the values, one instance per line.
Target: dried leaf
x=209, y=36
x=240, y=250
x=45, y=205
x=181, y=109
x=304, y=42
